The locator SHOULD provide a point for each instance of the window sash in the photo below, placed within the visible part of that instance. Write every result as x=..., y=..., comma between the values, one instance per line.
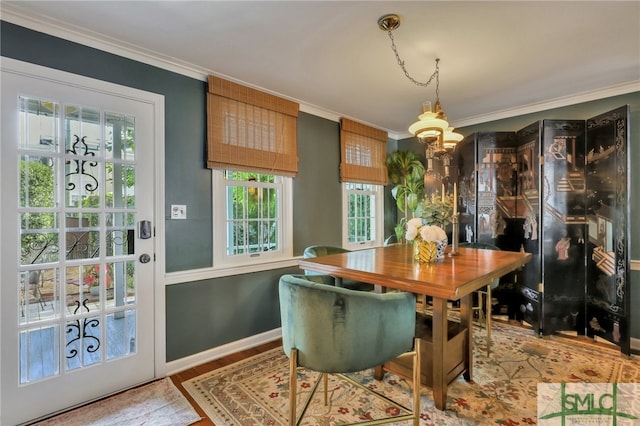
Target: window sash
x=233, y=253
x=362, y=223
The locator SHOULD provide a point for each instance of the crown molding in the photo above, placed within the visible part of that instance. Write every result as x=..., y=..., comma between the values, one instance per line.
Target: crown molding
x=13, y=14
x=620, y=89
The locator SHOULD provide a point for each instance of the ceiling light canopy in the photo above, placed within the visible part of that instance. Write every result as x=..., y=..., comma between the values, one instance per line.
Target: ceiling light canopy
x=432, y=126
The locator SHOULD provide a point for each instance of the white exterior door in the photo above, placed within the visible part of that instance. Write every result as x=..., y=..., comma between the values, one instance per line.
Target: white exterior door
x=77, y=257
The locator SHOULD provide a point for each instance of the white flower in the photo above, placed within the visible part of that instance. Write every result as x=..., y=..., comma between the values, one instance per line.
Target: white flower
x=411, y=234
x=416, y=229
x=413, y=225
x=416, y=222
x=432, y=233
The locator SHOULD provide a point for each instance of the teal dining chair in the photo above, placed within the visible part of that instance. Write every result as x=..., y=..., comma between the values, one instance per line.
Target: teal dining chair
x=335, y=330
x=320, y=250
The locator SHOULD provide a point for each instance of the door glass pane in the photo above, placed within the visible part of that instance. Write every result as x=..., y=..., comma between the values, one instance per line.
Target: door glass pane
x=39, y=295
x=38, y=124
x=121, y=337
x=120, y=180
x=82, y=165
x=120, y=136
x=37, y=184
x=38, y=238
x=83, y=340
x=82, y=236
x=39, y=356
x=120, y=285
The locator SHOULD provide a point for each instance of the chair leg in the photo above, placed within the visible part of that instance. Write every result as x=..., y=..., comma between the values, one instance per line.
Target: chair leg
x=293, y=385
x=326, y=385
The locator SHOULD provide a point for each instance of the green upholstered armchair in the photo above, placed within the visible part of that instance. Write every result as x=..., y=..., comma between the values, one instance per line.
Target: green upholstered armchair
x=331, y=329
x=315, y=251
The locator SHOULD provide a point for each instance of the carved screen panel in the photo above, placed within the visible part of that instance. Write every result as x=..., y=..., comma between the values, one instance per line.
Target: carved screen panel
x=528, y=201
x=563, y=226
x=607, y=224
x=465, y=160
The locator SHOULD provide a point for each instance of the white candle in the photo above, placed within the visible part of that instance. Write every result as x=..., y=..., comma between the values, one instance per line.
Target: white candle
x=455, y=199
x=442, y=195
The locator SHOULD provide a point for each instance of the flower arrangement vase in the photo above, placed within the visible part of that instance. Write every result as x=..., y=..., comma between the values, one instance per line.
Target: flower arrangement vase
x=441, y=246
x=424, y=251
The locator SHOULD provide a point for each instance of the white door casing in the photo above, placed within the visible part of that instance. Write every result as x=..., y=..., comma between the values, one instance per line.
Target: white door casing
x=70, y=346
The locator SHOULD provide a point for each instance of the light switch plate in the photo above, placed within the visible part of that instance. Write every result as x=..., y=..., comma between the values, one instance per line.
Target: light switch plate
x=178, y=211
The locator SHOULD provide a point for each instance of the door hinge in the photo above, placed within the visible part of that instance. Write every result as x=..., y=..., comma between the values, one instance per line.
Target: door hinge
x=541, y=287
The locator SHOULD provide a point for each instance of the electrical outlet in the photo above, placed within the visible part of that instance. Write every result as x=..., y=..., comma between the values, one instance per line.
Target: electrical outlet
x=178, y=211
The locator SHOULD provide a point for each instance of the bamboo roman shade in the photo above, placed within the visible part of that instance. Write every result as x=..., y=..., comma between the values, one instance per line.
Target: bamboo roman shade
x=250, y=130
x=363, y=151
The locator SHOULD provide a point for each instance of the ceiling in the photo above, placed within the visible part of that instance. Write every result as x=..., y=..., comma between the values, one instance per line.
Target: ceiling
x=497, y=59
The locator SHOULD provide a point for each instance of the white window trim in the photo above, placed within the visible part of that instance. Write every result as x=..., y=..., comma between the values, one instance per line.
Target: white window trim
x=223, y=262
x=379, y=225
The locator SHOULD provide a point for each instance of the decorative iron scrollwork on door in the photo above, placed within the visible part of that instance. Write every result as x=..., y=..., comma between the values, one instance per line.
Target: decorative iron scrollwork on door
x=81, y=329
x=80, y=164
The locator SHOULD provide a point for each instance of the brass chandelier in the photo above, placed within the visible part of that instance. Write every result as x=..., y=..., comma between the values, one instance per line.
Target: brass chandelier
x=432, y=127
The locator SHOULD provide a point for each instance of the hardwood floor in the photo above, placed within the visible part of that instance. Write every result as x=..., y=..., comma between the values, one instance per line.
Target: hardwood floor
x=178, y=378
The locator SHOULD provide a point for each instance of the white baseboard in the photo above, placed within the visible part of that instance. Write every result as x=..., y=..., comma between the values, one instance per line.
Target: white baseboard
x=182, y=364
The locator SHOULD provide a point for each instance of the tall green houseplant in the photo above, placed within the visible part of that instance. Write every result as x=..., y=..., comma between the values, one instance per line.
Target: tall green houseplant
x=406, y=173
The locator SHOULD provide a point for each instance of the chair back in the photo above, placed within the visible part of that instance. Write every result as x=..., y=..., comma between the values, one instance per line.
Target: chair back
x=485, y=246
x=337, y=330
x=315, y=251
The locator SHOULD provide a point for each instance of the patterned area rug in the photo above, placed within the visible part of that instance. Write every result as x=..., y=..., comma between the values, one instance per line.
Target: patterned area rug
x=158, y=403
x=503, y=391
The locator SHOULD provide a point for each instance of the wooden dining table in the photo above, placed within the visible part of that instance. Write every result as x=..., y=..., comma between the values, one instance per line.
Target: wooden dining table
x=454, y=278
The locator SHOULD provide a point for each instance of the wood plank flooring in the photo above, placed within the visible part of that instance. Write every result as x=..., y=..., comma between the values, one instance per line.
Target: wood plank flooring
x=180, y=377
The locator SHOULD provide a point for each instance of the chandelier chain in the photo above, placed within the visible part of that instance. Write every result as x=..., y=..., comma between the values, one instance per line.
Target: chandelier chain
x=435, y=74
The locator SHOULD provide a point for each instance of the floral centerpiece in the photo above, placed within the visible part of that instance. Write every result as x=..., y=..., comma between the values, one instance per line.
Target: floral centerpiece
x=429, y=241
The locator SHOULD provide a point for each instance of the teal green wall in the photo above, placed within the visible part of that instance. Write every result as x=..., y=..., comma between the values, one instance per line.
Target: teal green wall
x=317, y=192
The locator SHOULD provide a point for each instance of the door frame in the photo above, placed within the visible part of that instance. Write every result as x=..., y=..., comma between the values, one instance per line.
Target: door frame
x=156, y=101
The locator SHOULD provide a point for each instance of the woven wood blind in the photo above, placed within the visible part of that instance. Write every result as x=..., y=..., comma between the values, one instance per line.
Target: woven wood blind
x=250, y=130
x=363, y=151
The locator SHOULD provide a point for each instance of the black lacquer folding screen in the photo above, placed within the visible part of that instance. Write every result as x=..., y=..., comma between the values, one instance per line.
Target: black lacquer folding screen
x=557, y=189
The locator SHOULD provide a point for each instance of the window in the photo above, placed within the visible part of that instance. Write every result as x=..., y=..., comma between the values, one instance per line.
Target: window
x=252, y=151
x=363, y=210
x=251, y=218
x=363, y=174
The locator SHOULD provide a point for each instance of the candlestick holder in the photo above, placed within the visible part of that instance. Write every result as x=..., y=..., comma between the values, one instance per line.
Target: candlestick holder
x=454, y=236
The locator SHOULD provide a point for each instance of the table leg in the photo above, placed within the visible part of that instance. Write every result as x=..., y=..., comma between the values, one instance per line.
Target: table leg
x=440, y=336
x=466, y=320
